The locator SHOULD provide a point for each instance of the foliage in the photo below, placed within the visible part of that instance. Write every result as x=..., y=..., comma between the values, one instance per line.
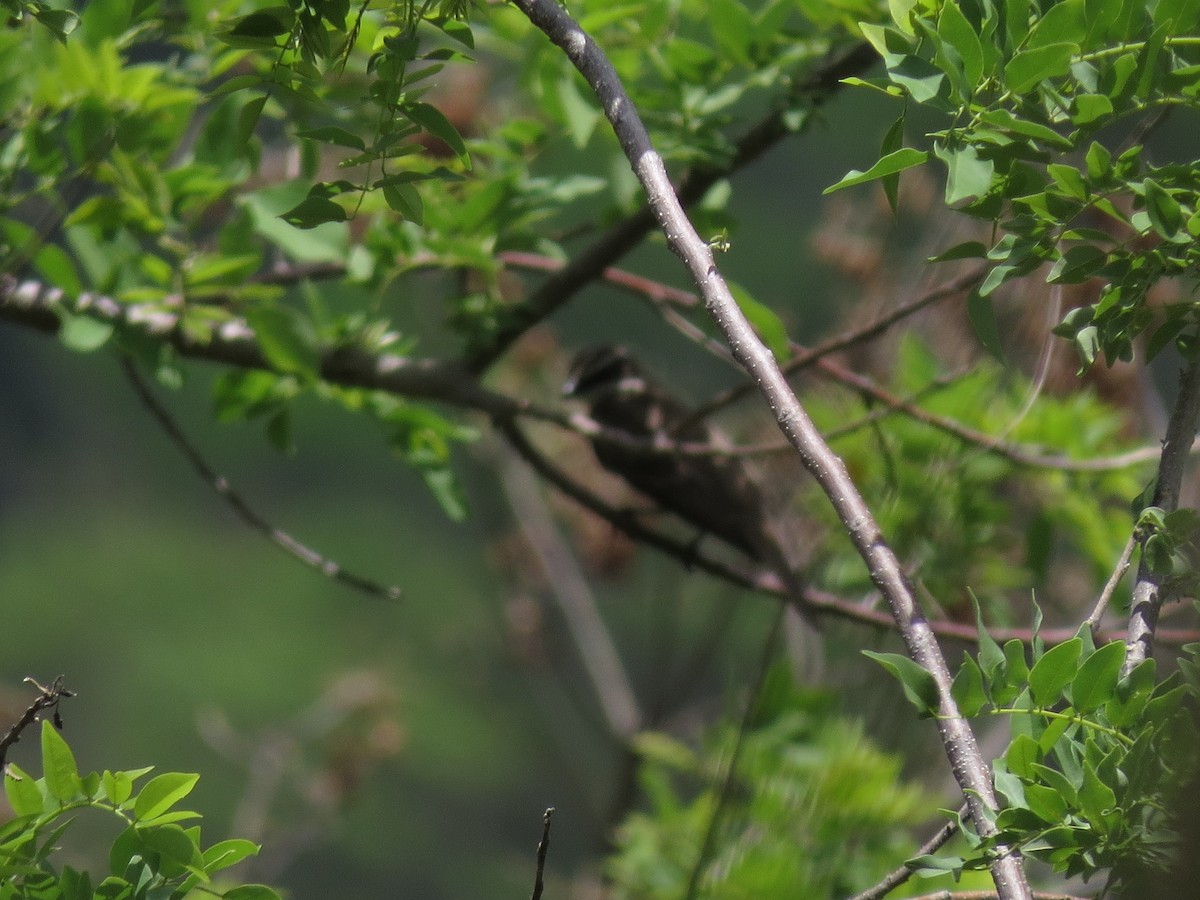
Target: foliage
x=1096, y=758
x=978, y=521
x=1032, y=93
x=815, y=809
x=286, y=176
x=152, y=858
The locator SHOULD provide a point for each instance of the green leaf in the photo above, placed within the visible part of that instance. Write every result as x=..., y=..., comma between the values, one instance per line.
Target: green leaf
x=990, y=656
x=24, y=796
x=919, y=686
x=1021, y=755
x=967, y=175
x=1096, y=682
x=117, y=786
x=892, y=141
x=224, y=854
x=83, y=334
x=406, y=200
x=967, y=689
x=248, y=118
x=955, y=30
x=314, y=211
x=1045, y=803
x=161, y=793
x=581, y=117
x=56, y=266
x=174, y=844
x=1166, y=216
x=1054, y=671
x=929, y=866
x=922, y=79
x=965, y=250
x=1005, y=120
x=267, y=23
x=60, y=22
x=1089, y=108
x=287, y=339
x=1097, y=800
x=58, y=764
x=332, y=134
x=732, y=28
x=1029, y=67
x=983, y=320
x=1062, y=22
x=432, y=120
x=902, y=159
x=1077, y=265
x=447, y=491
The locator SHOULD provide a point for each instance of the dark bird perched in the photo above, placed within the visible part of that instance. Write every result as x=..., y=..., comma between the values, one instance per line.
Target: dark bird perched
x=711, y=492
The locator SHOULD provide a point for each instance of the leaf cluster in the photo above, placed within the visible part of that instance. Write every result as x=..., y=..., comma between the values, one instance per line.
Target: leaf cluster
x=815, y=809
x=1034, y=92
x=1096, y=759
x=154, y=857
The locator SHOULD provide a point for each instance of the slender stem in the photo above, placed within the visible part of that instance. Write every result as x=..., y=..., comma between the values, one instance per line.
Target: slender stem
x=1148, y=591
x=901, y=874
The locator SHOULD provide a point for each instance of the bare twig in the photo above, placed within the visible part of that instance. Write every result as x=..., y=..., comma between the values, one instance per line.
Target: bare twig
x=725, y=789
x=568, y=586
x=898, y=876
x=327, y=567
x=48, y=698
x=806, y=357
x=1110, y=587
x=542, y=850
x=962, y=750
x=1148, y=591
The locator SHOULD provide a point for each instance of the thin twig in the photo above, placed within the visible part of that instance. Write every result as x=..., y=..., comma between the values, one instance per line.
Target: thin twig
x=48, y=698
x=806, y=357
x=725, y=790
x=898, y=876
x=1110, y=587
x=570, y=589
x=327, y=567
x=961, y=747
x=767, y=583
x=1148, y=591
x=542, y=850
x=665, y=297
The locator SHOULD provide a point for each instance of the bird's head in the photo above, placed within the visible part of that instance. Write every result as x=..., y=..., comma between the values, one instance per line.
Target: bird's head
x=604, y=371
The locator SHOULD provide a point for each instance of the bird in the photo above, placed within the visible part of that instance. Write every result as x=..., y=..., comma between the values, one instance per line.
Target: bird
x=711, y=492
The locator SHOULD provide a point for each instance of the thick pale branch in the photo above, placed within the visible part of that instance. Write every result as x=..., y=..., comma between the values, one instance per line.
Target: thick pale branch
x=885, y=570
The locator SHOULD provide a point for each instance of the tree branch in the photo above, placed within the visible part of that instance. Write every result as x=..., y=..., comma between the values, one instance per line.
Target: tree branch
x=49, y=698
x=962, y=750
x=567, y=585
x=899, y=875
x=305, y=554
x=1149, y=590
